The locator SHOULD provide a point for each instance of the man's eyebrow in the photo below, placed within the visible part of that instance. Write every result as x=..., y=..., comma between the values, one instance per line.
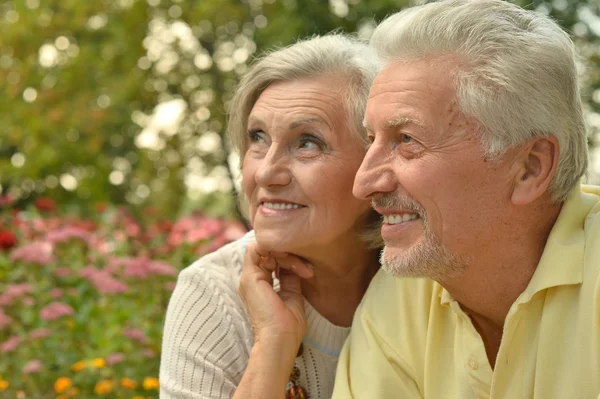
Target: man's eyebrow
x=395, y=122
x=398, y=122
x=301, y=122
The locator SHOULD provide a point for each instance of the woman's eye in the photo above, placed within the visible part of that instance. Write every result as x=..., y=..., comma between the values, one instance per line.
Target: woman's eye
x=310, y=143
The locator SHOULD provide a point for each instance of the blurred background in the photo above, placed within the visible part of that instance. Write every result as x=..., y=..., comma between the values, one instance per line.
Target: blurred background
x=124, y=101
x=114, y=173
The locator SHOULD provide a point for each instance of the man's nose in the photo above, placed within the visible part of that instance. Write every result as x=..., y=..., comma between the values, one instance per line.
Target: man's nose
x=375, y=175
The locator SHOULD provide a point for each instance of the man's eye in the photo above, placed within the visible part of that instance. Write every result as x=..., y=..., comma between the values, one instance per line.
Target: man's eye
x=406, y=139
x=256, y=136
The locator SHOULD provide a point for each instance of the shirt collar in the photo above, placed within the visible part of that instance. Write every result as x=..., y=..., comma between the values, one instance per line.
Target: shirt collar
x=562, y=260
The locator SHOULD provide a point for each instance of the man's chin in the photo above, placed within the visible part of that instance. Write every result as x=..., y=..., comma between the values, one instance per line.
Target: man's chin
x=400, y=262
x=424, y=259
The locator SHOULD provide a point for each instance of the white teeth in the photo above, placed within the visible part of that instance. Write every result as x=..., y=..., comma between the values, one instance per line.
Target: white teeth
x=397, y=219
x=279, y=205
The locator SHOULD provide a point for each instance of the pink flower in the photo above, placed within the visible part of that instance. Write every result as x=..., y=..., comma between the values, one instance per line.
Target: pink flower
x=114, y=358
x=32, y=366
x=132, y=229
x=135, y=334
x=17, y=290
x=56, y=293
x=13, y=291
x=10, y=344
x=62, y=271
x=40, y=333
x=56, y=310
x=67, y=233
x=28, y=301
x=161, y=268
x=36, y=252
x=140, y=267
x=7, y=200
x=149, y=353
x=4, y=319
x=170, y=286
x=6, y=300
x=103, y=281
x=110, y=285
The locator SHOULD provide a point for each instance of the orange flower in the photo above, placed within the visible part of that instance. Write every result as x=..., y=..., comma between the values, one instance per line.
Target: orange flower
x=103, y=387
x=98, y=363
x=128, y=383
x=150, y=383
x=3, y=385
x=80, y=365
x=62, y=384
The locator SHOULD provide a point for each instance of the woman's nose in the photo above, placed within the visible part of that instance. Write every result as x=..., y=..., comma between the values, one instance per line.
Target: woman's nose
x=274, y=169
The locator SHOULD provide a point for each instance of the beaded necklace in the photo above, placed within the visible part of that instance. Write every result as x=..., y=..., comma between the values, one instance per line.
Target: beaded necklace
x=293, y=389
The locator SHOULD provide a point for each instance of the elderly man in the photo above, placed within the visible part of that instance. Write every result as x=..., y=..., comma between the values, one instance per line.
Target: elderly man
x=491, y=286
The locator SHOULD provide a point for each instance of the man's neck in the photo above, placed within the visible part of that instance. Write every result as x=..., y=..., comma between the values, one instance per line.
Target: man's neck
x=491, y=284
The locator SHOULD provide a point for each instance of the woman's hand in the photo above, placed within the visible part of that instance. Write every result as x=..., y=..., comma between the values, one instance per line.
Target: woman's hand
x=274, y=315
x=277, y=318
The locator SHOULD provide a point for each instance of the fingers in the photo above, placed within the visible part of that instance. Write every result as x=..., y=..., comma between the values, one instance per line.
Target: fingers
x=289, y=283
x=296, y=265
x=270, y=261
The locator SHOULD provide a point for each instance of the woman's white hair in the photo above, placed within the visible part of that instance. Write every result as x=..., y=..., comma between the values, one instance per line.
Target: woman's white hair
x=334, y=54
x=515, y=72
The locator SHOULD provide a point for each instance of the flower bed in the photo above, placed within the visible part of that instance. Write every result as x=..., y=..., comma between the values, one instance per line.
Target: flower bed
x=82, y=301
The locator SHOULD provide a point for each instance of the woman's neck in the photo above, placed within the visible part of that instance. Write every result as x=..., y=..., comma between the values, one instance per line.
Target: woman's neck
x=341, y=277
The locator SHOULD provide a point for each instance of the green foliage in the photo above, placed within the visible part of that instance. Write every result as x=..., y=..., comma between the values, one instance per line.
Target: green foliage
x=80, y=83
x=82, y=79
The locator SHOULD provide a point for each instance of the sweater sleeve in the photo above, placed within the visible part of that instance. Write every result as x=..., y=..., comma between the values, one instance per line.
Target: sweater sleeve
x=205, y=342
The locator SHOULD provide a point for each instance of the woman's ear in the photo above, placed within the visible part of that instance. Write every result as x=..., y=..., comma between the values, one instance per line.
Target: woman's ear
x=536, y=166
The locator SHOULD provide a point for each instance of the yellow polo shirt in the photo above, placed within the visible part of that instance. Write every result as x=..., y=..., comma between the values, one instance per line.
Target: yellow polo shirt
x=410, y=339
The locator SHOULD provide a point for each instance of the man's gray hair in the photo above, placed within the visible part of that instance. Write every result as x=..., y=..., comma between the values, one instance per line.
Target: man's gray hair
x=334, y=54
x=514, y=72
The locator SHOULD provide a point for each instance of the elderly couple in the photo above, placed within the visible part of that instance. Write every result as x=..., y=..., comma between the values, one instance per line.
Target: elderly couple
x=458, y=137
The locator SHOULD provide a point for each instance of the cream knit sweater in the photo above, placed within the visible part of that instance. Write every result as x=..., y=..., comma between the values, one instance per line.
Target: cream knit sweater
x=207, y=335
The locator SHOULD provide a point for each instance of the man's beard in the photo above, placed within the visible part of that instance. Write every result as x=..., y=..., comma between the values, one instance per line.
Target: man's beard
x=426, y=258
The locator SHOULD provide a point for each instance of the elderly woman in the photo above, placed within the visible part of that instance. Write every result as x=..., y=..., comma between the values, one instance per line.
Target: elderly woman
x=296, y=119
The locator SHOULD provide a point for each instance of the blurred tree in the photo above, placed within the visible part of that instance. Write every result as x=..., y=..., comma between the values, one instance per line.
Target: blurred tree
x=124, y=100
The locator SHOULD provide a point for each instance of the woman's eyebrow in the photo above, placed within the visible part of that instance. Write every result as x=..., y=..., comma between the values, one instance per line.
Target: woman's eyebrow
x=253, y=120
x=301, y=122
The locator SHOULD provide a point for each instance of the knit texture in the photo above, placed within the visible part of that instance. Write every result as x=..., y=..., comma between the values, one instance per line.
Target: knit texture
x=207, y=335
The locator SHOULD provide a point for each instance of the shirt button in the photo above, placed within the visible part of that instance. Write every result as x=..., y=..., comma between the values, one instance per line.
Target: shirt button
x=473, y=364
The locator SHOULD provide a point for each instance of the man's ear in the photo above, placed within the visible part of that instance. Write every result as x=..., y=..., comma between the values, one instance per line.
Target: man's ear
x=536, y=165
